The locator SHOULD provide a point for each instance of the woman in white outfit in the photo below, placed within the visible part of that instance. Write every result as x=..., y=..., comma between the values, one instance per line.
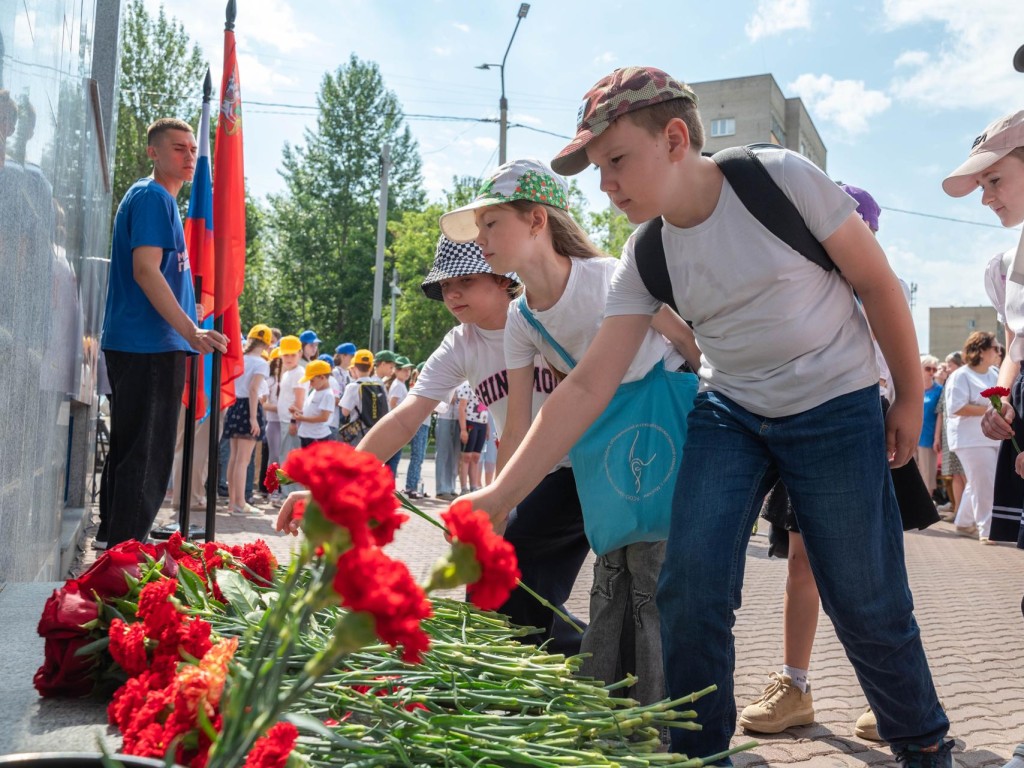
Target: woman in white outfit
x=965, y=406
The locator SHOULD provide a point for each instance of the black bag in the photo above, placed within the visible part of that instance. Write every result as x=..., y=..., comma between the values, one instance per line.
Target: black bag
x=760, y=195
x=373, y=405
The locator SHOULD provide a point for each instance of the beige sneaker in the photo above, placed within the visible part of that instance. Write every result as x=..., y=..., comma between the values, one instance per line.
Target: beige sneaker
x=782, y=705
x=867, y=726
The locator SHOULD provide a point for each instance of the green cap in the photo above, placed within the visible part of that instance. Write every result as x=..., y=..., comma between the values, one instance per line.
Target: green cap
x=385, y=356
x=403, y=362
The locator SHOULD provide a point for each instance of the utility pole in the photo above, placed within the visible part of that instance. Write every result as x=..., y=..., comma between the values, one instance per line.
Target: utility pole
x=524, y=8
x=395, y=293
x=376, y=321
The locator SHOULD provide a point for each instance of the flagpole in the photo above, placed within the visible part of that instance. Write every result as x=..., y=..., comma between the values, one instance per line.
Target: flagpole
x=218, y=324
x=188, y=444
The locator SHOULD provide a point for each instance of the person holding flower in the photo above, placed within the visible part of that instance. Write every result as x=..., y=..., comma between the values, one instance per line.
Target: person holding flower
x=547, y=526
x=965, y=406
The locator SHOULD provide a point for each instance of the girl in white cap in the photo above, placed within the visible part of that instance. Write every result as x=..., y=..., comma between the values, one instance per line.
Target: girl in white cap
x=521, y=222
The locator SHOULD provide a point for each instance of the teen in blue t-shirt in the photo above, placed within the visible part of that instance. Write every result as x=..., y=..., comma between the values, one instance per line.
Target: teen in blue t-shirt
x=147, y=215
x=148, y=328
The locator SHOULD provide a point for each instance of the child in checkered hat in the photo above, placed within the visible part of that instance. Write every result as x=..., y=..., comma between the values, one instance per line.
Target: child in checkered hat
x=520, y=220
x=789, y=388
x=547, y=527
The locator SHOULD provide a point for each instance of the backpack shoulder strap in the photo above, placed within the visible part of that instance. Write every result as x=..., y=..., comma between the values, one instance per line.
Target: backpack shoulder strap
x=539, y=327
x=650, y=261
x=760, y=195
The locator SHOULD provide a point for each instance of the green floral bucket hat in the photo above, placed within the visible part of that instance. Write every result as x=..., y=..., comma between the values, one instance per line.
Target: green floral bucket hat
x=518, y=180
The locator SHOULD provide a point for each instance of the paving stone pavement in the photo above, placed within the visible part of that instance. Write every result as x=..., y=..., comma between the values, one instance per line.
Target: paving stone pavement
x=968, y=603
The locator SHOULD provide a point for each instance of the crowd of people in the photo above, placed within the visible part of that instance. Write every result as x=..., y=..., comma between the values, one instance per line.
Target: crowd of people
x=818, y=425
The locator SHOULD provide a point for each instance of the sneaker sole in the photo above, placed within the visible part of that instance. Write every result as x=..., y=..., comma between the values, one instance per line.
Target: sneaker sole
x=868, y=734
x=795, y=719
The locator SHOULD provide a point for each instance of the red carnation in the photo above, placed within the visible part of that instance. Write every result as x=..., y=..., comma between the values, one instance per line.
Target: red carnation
x=258, y=560
x=499, y=571
x=995, y=395
x=369, y=581
x=128, y=646
x=995, y=392
x=272, y=750
x=271, y=481
x=352, y=488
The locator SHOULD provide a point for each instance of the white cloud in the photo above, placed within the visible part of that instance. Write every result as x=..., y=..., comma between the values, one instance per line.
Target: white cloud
x=847, y=103
x=257, y=78
x=461, y=27
x=485, y=142
x=439, y=51
x=775, y=16
x=971, y=67
x=911, y=59
x=605, y=58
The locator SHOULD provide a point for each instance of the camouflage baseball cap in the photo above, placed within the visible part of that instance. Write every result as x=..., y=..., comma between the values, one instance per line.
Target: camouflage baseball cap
x=515, y=180
x=623, y=91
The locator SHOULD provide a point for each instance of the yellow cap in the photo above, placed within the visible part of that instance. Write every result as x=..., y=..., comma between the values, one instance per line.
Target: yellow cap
x=290, y=345
x=262, y=332
x=316, y=368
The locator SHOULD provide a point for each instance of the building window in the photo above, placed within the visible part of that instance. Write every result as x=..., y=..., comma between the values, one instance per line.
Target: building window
x=778, y=135
x=723, y=126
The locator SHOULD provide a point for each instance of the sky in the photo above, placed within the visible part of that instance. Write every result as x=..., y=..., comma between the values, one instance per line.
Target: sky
x=898, y=90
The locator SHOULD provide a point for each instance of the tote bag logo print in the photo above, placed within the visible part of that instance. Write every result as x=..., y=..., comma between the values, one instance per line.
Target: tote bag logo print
x=640, y=460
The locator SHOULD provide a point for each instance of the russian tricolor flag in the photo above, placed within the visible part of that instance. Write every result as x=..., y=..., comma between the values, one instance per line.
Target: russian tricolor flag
x=199, y=241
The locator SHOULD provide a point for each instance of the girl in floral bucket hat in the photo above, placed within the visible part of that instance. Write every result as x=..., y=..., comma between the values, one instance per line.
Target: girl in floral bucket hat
x=520, y=220
x=547, y=527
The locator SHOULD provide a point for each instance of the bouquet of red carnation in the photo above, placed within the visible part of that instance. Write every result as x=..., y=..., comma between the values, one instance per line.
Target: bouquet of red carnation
x=995, y=396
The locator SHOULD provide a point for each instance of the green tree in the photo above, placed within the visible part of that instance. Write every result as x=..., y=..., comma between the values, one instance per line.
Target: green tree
x=162, y=75
x=256, y=304
x=325, y=223
x=609, y=230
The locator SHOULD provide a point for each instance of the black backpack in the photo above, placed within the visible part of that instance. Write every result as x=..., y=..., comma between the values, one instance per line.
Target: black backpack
x=759, y=193
x=373, y=404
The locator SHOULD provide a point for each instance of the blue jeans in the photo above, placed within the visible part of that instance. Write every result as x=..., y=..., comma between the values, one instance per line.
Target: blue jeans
x=446, y=437
x=418, y=448
x=392, y=465
x=832, y=460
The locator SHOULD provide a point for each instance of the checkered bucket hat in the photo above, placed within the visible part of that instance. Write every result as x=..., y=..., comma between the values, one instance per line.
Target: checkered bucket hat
x=623, y=91
x=516, y=180
x=454, y=260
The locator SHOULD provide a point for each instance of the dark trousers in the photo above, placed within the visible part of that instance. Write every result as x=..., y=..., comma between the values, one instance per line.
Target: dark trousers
x=147, y=391
x=546, y=530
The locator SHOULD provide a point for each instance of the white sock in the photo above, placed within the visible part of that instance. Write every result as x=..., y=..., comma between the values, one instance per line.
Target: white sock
x=799, y=678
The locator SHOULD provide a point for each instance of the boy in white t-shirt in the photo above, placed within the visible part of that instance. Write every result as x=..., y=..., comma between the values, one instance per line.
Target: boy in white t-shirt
x=318, y=406
x=789, y=390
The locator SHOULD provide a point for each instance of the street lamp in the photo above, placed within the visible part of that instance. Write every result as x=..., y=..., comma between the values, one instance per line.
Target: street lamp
x=524, y=8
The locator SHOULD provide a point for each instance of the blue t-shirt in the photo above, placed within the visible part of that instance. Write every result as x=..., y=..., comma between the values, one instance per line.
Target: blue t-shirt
x=147, y=215
x=931, y=402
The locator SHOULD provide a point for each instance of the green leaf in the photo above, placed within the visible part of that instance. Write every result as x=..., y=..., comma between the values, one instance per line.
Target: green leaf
x=237, y=591
x=193, y=587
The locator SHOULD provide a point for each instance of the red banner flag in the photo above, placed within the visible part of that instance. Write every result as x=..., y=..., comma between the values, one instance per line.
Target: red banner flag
x=229, y=216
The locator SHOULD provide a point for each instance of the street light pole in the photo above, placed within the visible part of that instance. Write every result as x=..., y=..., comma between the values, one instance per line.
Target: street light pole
x=524, y=8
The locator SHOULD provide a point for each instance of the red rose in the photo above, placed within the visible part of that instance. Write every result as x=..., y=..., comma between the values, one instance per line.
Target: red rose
x=65, y=612
x=499, y=571
x=63, y=672
x=106, y=577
